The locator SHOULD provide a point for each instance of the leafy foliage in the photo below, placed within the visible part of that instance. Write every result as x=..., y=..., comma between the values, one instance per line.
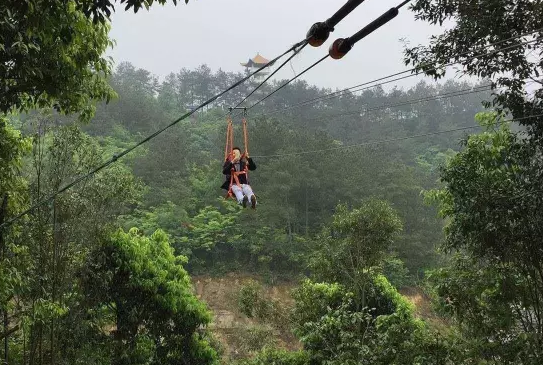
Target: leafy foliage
x=492, y=198
x=334, y=331
x=352, y=248
x=492, y=192
x=101, y=9
x=157, y=317
x=277, y=357
x=514, y=26
x=43, y=258
x=254, y=302
x=51, y=56
x=13, y=147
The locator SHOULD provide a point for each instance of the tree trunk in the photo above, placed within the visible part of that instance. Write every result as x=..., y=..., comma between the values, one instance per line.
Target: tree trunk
x=3, y=253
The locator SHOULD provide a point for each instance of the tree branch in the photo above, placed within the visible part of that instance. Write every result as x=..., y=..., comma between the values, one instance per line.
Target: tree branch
x=9, y=332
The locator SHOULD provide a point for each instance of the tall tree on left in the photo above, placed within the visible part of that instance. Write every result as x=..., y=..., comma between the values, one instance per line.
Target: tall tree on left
x=52, y=53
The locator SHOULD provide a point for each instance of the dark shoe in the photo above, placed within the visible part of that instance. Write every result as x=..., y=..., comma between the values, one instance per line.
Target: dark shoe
x=253, y=202
x=244, y=203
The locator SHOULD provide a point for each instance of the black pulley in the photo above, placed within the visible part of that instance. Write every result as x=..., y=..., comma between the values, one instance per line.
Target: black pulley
x=319, y=32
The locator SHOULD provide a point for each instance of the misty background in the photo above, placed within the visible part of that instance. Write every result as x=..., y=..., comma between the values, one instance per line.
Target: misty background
x=222, y=34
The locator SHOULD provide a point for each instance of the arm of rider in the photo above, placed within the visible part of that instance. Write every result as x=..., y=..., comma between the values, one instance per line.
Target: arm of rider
x=252, y=165
x=226, y=168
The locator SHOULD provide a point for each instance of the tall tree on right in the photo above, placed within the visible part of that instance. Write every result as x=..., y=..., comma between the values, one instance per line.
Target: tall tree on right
x=493, y=202
x=493, y=195
x=507, y=38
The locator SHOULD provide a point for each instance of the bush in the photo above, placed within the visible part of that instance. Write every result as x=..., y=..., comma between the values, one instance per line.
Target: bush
x=395, y=271
x=271, y=356
x=158, y=319
x=254, y=303
x=251, y=301
x=253, y=338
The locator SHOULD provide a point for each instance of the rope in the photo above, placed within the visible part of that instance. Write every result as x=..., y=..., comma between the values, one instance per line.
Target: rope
x=245, y=137
x=391, y=139
x=229, y=138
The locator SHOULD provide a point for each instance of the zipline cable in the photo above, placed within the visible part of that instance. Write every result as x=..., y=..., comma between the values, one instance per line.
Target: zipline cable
x=336, y=18
x=382, y=141
x=410, y=70
x=447, y=65
x=342, y=46
x=288, y=82
x=339, y=93
x=115, y=157
x=451, y=94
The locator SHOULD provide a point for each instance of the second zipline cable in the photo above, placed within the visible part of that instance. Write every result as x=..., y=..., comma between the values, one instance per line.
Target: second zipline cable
x=376, y=82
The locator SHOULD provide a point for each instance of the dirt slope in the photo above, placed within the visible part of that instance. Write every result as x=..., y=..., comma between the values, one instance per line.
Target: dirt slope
x=240, y=336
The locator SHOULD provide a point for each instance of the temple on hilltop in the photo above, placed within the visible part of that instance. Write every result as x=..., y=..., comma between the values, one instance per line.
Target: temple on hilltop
x=254, y=64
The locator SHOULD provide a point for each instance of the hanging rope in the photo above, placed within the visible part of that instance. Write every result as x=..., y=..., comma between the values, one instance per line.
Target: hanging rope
x=245, y=137
x=229, y=138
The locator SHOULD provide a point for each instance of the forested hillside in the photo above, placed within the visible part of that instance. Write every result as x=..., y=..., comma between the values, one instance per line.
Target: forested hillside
x=298, y=191
x=108, y=210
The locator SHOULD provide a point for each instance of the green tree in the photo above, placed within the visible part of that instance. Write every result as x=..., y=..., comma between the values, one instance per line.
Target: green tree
x=475, y=27
x=353, y=247
x=47, y=248
x=158, y=318
x=492, y=200
x=51, y=56
x=52, y=53
x=13, y=148
x=334, y=331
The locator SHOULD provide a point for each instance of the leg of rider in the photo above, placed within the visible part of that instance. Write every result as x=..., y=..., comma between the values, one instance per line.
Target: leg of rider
x=238, y=192
x=247, y=191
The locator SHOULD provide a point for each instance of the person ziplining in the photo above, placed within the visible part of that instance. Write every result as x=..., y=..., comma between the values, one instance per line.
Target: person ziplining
x=236, y=166
x=235, y=169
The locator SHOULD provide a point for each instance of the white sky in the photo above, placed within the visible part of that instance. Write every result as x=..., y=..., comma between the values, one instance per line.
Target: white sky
x=223, y=33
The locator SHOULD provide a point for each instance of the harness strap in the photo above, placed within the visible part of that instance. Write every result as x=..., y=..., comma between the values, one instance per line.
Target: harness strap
x=229, y=138
x=245, y=136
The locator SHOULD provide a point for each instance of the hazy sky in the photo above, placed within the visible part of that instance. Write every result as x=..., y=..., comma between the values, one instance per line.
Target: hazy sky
x=223, y=33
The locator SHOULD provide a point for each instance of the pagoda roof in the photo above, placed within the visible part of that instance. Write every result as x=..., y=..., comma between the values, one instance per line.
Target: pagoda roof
x=260, y=60
x=257, y=60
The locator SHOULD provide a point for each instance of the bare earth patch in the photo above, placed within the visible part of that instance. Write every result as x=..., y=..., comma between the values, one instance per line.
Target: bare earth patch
x=239, y=335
